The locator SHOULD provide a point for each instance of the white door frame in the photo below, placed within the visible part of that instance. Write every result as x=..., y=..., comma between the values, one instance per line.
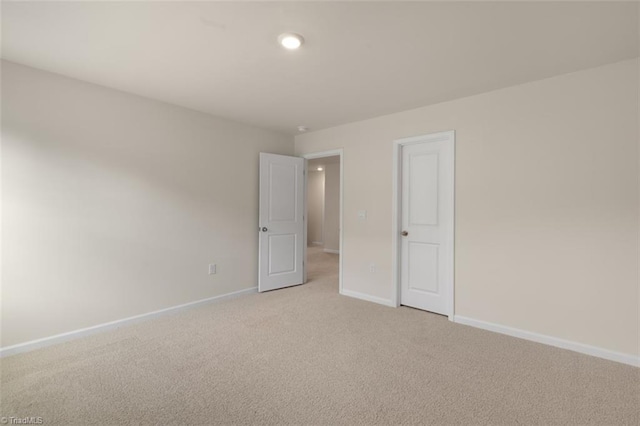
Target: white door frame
x=396, y=214
x=322, y=154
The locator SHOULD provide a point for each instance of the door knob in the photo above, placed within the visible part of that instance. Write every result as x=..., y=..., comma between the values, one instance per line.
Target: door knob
x=264, y=229
x=404, y=233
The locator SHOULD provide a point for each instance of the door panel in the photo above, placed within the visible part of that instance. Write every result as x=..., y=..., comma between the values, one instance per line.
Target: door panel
x=426, y=252
x=423, y=267
x=282, y=192
x=423, y=189
x=281, y=252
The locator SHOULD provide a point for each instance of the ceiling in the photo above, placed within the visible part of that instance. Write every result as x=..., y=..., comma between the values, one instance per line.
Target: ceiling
x=359, y=60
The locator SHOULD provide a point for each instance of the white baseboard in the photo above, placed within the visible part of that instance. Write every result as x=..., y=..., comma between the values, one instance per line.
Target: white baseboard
x=317, y=243
x=72, y=335
x=332, y=251
x=366, y=297
x=552, y=341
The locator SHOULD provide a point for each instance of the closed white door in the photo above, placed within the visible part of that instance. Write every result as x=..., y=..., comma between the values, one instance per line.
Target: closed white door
x=281, y=222
x=427, y=223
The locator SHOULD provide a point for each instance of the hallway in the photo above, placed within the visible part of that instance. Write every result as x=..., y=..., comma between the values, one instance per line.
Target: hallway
x=322, y=268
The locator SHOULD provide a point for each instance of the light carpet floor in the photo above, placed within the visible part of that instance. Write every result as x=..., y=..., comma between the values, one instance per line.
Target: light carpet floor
x=307, y=355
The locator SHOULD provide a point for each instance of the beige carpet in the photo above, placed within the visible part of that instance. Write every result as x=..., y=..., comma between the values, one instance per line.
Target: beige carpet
x=307, y=355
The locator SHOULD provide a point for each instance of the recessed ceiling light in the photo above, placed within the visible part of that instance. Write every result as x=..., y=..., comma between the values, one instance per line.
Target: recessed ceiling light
x=302, y=128
x=319, y=169
x=290, y=41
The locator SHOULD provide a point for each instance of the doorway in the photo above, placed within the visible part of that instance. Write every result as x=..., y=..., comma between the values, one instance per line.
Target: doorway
x=323, y=258
x=423, y=215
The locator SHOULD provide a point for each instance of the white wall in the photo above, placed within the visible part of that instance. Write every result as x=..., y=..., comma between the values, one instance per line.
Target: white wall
x=546, y=203
x=332, y=207
x=114, y=205
x=638, y=189
x=315, y=207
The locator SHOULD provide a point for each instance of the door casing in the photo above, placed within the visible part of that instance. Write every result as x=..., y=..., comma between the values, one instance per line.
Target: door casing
x=396, y=214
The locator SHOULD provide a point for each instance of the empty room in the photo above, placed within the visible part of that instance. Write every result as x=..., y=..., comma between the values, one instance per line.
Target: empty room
x=327, y=213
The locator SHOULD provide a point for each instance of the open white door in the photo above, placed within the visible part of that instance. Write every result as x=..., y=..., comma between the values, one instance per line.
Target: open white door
x=281, y=252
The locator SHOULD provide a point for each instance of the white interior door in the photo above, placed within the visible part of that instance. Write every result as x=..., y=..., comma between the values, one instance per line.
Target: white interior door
x=281, y=242
x=427, y=223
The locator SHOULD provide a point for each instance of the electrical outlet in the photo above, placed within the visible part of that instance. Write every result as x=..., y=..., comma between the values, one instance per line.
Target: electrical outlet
x=212, y=269
x=372, y=267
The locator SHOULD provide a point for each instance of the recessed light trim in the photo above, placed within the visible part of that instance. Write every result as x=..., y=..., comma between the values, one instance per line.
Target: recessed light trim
x=319, y=169
x=290, y=41
x=303, y=129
